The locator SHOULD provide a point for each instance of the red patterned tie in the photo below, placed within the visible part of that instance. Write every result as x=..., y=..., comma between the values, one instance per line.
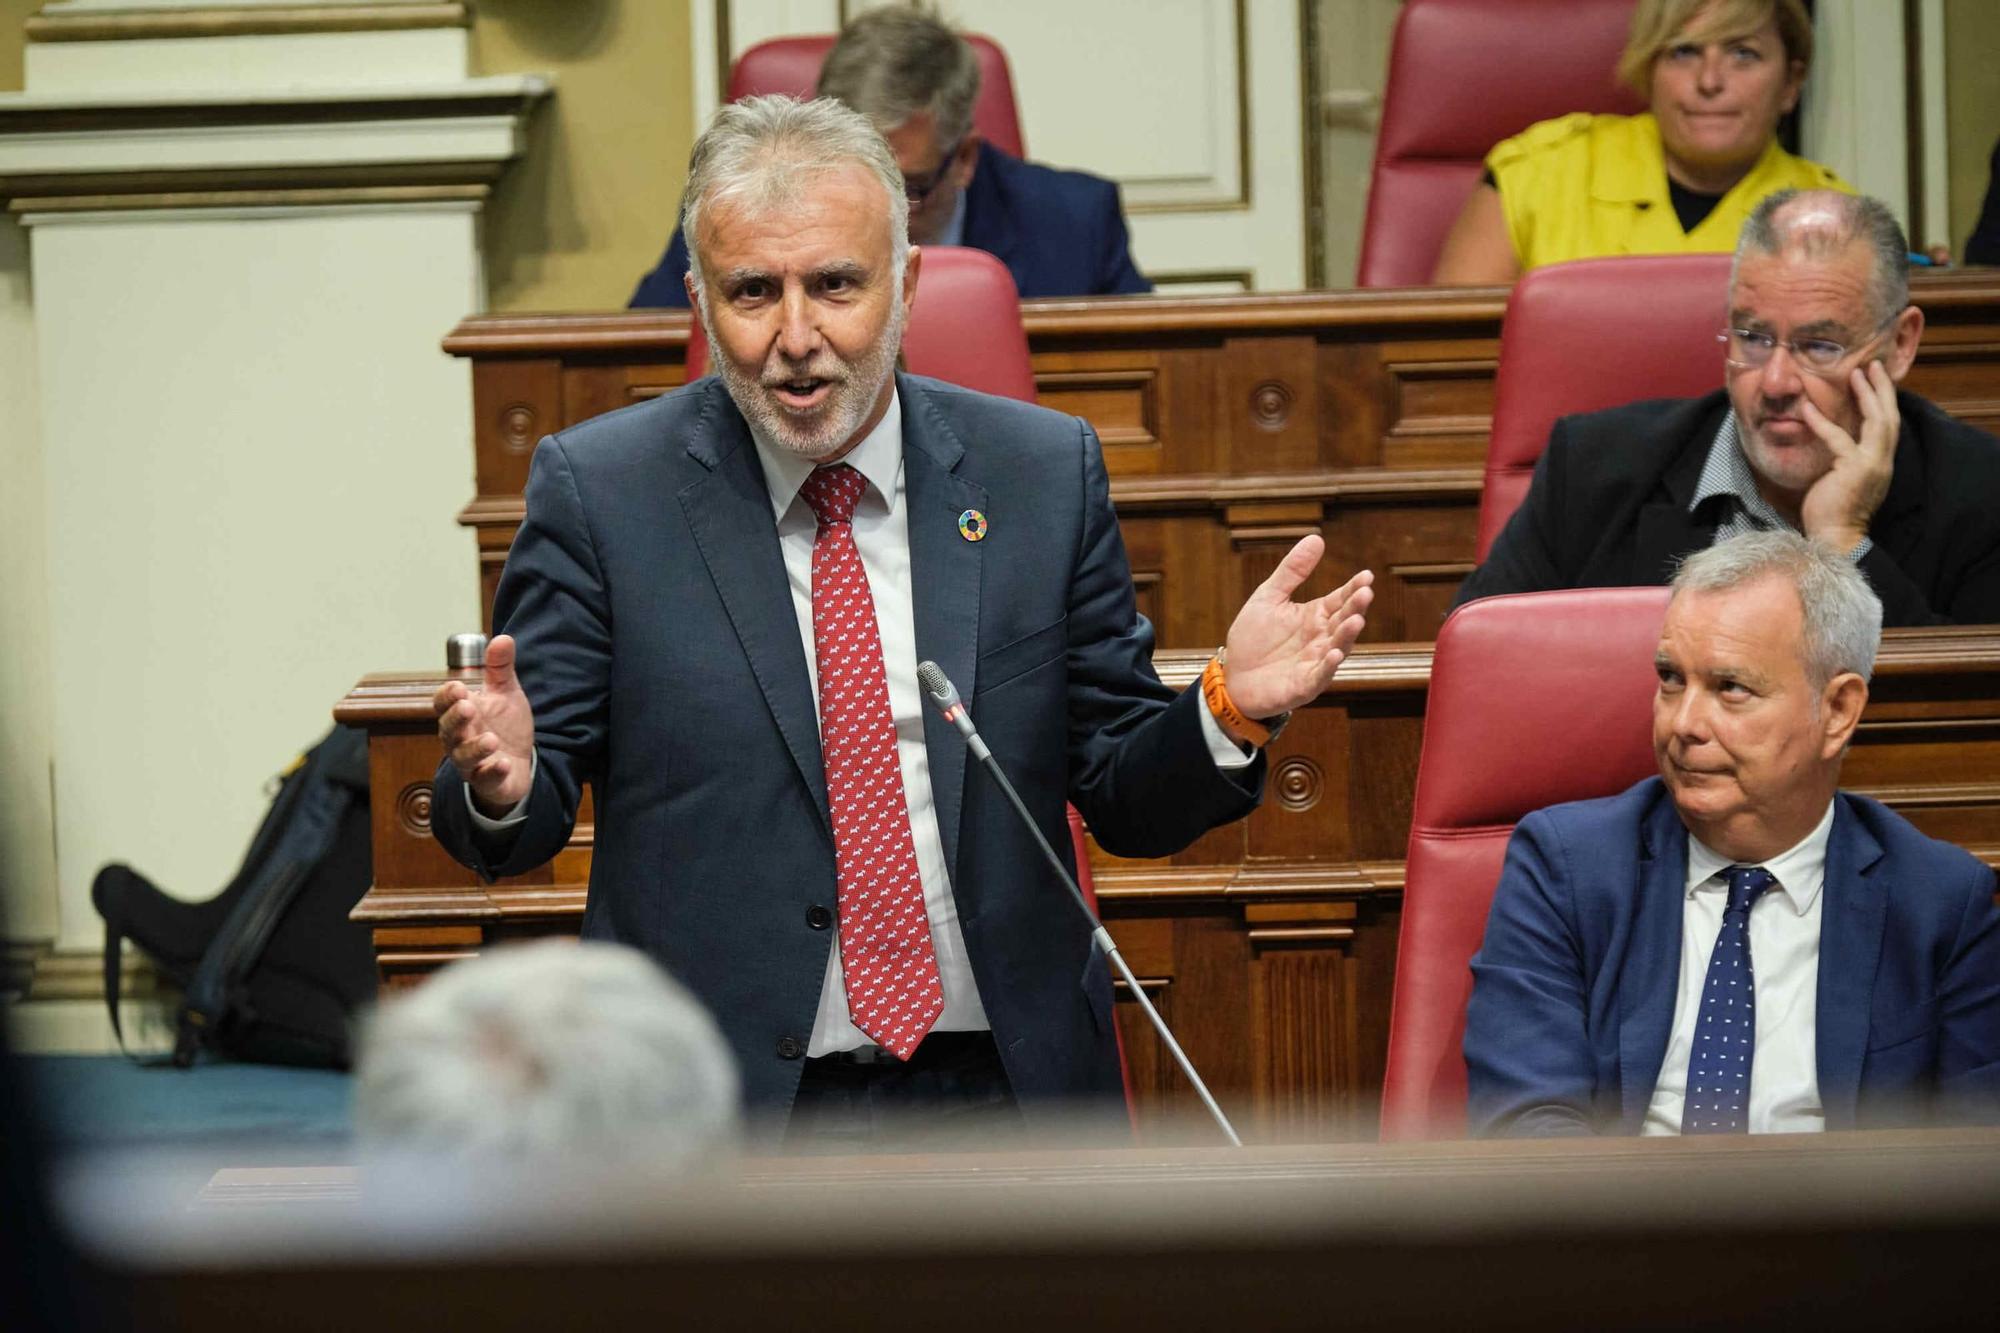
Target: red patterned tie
x=893, y=992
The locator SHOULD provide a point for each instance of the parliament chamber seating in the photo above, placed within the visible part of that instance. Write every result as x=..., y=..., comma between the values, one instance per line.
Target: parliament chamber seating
x=791, y=65
x=965, y=326
x=1231, y=425
x=1463, y=75
x=1535, y=699
x=1593, y=334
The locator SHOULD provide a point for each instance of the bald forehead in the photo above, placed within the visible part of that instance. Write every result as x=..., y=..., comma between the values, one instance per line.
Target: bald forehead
x=1819, y=293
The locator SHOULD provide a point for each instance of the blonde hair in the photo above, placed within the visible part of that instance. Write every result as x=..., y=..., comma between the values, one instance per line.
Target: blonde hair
x=1657, y=24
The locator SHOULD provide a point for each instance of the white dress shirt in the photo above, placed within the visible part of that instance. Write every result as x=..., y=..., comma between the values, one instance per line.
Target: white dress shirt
x=1784, y=961
x=882, y=537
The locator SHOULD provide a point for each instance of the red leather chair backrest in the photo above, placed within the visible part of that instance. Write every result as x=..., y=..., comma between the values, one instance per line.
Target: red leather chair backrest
x=791, y=65
x=1535, y=698
x=1592, y=334
x=1463, y=75
x=965, y=327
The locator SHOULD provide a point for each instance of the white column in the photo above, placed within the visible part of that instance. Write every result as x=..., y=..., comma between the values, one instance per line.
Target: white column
x=236, y=448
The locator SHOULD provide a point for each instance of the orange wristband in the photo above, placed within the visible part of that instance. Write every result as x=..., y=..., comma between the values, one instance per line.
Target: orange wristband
x=1227, y=714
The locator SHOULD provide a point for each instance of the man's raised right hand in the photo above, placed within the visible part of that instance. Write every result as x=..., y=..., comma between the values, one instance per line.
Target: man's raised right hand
x=489, y=734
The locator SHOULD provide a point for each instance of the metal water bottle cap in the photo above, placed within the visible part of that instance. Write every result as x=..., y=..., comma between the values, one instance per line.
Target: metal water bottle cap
x=465, y=650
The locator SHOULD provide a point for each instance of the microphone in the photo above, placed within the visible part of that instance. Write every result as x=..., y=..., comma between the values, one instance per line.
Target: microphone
x=944, y=696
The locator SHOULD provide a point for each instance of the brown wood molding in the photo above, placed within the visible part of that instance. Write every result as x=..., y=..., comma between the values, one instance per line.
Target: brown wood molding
x=1936, y=650
x=29, y=193
x=321, y=197
x=128, y=25
x=205, y=111
x=1970, y=291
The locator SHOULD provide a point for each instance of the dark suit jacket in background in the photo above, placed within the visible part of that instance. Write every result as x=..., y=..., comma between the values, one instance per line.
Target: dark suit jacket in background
x=1574, y=987
x=1983, y=246
x=1608, y=508
x=660, y=649
x=1060, y=233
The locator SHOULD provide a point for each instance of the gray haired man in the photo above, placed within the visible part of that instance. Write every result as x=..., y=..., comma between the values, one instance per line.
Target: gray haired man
x=1060, y=233
x=1810, y=434
x=714, y=615
x=543, y=1051
x=1736, y=944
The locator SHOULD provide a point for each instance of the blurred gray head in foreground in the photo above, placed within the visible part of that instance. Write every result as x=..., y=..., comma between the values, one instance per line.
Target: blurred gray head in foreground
x=547, y=1049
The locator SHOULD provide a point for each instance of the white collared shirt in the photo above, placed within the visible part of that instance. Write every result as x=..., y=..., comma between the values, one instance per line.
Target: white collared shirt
x=1784, y=959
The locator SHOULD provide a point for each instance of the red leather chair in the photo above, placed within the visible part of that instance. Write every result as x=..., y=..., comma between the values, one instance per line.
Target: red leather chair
x=964, y=328
x=791, y=65
x=1592, y=334
x=1535, y=698
x=1463, y=75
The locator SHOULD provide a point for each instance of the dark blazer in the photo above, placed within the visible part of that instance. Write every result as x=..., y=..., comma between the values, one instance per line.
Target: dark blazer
x=660, y=649
x=1573, y=989
x=1060, y=233
x=1608, y=508
x=1983, y=245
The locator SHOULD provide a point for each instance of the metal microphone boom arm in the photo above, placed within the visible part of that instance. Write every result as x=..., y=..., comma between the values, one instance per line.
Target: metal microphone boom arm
x=945, y=696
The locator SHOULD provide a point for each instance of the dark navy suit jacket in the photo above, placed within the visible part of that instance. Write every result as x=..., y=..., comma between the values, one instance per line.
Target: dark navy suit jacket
x=660, y=649
x=1573, y=990
x=1060, y=233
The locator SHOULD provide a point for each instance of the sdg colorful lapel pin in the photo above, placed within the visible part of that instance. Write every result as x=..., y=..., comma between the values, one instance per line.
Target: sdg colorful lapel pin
x=972, y=525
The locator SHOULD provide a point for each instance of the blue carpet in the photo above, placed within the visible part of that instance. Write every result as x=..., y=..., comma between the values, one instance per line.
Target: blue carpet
x=107, y=1101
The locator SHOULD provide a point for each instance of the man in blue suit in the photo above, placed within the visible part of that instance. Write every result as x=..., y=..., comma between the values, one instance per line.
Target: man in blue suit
x=1060, y=233
x=1736, y=944
x=714, y=613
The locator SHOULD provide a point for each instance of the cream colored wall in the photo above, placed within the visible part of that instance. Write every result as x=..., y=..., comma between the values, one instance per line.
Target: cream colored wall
x=1972, y=105
x=27, y=821
x=577, y=222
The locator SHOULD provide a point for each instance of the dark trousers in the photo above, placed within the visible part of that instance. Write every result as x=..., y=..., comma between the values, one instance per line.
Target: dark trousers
x=952, y=1092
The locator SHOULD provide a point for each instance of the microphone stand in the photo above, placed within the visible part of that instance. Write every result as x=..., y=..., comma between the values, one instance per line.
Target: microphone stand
x=945, y=695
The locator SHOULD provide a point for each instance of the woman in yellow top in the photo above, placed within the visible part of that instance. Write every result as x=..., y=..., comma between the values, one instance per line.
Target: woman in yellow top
x=1681, y=177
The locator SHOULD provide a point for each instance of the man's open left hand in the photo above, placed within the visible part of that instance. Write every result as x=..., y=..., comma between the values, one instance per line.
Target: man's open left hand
x=1838, y=506
x=1281, y=652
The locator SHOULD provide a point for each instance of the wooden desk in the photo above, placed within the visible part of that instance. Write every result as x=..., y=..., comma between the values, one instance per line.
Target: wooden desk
x=1231, y=425
x=1269, y=944
x=1827, y=1232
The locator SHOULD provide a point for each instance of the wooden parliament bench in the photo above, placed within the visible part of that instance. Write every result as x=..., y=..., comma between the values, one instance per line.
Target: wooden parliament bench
x=1269, y=944
x=1231, y=426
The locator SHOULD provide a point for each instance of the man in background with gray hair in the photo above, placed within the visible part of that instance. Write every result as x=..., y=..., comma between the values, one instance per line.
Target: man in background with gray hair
x=1060, y=233
x=1811, y=435
x=540, y=1051
x=714, y=614
x=1736, y=944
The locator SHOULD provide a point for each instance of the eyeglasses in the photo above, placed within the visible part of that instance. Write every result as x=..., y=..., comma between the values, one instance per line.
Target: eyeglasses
x=919, y=189
x=1750, y=349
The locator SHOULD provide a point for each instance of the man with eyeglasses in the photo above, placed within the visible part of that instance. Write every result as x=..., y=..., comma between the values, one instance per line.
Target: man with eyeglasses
x=1810, y=433
x=1060, y=233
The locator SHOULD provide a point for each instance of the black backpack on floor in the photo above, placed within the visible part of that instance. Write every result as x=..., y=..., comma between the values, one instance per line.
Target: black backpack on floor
x=271, y=969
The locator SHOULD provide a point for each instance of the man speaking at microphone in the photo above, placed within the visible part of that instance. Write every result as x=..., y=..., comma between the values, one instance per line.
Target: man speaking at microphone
x=714, y=612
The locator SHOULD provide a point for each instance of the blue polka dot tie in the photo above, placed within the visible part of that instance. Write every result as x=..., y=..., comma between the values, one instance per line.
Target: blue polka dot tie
x=1725, y=1032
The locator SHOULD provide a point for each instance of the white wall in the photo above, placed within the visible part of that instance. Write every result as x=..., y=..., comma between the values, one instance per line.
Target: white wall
x=253, y=451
